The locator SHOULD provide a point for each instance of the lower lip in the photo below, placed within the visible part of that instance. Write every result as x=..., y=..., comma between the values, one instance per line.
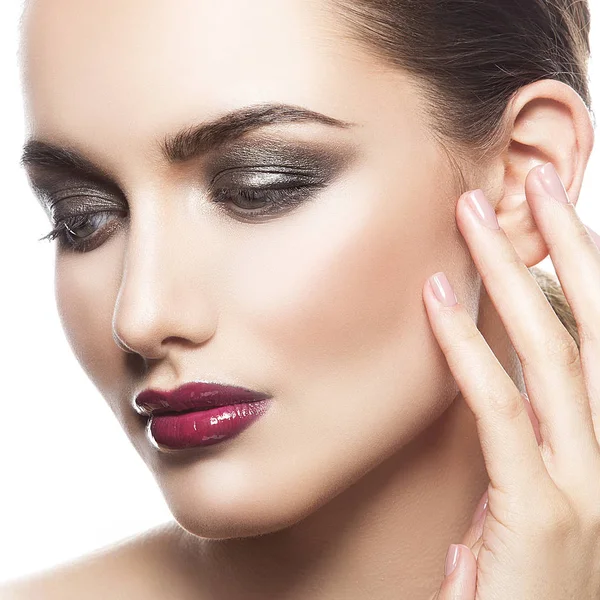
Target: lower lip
x=205, y=427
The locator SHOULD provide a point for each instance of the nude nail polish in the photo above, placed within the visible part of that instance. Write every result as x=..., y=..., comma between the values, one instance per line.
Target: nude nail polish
x=483, y=209
x=552, y=183
x=451, y=559
x=442, y=289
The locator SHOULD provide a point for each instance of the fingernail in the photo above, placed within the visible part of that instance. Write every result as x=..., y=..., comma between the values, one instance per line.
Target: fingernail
x=480, y=510
x=483, y=209
x=451, y=559
x=479, y=520
x=442, y=289
x=594, y=236
x=552, y=183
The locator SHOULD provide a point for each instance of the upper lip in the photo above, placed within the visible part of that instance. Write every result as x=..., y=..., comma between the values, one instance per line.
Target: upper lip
x=195, y=395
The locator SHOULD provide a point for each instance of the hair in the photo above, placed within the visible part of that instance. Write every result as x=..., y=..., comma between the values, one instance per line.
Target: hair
x=469, y=58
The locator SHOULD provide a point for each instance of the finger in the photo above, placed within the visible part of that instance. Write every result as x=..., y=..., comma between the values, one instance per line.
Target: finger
x=479, y=516
x=475, y=529
x=595, y=237
x=534, y=420
x=509, y=447
x=576, y=259
x=472, y=537
x=548, y=354
x=476, y=548
x=459, y=583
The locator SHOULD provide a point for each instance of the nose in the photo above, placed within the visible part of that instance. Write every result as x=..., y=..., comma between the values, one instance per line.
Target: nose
x=164, y=296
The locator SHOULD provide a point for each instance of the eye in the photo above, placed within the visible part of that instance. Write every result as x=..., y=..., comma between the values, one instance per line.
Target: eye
x=260, y=202
x=256, y=191
x=85, y=231
x=281, y=191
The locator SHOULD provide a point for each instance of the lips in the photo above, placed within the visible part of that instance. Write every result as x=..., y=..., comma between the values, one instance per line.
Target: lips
x=193, y=396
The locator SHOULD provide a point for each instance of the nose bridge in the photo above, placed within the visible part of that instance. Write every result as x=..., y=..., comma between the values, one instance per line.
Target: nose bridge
x=164, y=289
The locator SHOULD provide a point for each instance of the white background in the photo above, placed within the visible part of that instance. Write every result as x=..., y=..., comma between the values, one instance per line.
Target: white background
x=65, y=495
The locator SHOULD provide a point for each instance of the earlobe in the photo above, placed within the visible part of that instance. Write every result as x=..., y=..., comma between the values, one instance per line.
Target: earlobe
x=547, y=122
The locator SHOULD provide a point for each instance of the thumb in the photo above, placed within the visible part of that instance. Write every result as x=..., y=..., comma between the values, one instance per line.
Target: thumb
x=473, y=534
x=460, y=570
x=460, y=575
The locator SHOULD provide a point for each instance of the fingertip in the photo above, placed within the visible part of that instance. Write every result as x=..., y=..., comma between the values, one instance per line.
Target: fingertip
x=461, y=574
x=480, y=508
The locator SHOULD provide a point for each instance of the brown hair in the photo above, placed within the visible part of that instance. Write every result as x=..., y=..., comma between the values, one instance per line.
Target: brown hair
x=469, y=58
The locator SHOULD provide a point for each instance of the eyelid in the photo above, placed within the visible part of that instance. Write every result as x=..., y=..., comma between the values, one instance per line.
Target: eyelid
x=264, y=177
x=311, y=157
x=312, y=162
x=83, y=200
x=54, y=176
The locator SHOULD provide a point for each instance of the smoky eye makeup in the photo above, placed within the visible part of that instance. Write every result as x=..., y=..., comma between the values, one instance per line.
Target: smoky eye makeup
x=54, y=189
x=73, y=203
x=265, y=178
x=248, y=180
x=269, y=161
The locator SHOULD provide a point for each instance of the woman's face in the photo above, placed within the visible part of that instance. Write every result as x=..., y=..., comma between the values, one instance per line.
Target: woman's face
x=319, y=305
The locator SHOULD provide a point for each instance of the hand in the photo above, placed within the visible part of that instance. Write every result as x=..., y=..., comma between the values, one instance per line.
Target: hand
x=539, y=538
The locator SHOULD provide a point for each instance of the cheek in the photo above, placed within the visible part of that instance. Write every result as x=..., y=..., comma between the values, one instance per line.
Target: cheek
x=85, y=290
x=340, y=278
x=328, y=304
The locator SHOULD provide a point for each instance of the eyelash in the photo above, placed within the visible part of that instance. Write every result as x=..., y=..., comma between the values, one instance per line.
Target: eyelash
x=279, y=200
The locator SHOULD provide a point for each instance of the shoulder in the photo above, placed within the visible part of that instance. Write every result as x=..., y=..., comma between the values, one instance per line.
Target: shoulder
x=140, y=566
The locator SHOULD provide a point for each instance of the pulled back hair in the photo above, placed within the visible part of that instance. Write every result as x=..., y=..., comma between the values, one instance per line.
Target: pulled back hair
x=469, y=58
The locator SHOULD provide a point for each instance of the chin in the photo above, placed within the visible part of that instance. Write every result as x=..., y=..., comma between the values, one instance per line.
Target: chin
x=236, y=517
x=232, y=497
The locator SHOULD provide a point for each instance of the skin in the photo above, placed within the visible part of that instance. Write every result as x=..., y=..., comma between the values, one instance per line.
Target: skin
x=538, y=537
x=369, y=460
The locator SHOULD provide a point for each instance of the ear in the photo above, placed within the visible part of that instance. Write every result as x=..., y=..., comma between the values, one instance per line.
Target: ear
x=547, y=122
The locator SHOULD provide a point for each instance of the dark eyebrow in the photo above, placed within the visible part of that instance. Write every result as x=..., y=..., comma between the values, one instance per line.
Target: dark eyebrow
x=187, y=143
x=193, y=141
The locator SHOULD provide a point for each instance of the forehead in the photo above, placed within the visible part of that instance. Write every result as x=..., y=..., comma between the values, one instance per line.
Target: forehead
x=122, y=71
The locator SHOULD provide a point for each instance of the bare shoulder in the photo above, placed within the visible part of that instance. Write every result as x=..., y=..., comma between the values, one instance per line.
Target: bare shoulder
x=143, y=566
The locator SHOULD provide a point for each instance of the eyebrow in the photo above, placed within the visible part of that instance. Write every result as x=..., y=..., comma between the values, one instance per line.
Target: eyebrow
x=185, y=144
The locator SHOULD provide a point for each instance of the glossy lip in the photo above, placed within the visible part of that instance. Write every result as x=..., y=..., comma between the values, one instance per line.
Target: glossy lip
x=193, y=396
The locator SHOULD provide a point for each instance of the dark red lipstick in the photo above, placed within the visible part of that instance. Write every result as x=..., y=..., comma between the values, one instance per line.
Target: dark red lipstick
x=199, y=414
